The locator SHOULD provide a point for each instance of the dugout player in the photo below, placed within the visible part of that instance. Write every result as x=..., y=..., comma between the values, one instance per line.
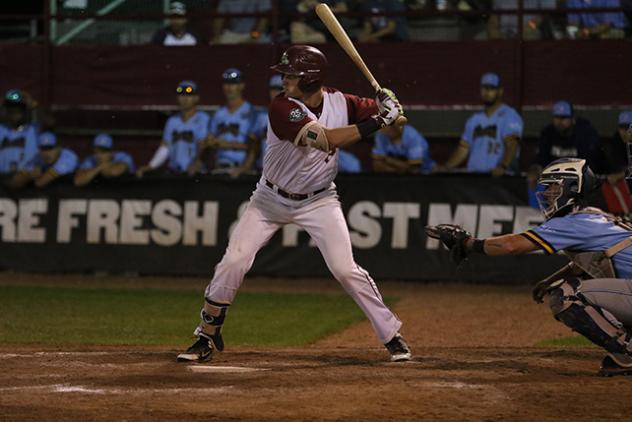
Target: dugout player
x=491, y=137
x=230, y=128
x=182, y=135
x=18, y=138
x=401, y=150
x=308, y=123
x=258, y=131
x=104, y=162
x=593, y=294
x=49, y=164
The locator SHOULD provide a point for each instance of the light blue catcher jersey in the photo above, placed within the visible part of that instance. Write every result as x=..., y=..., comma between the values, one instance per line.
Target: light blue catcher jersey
x=17, y=147
x=66, y=163
x=412, y=147
x=117, y=157
x=233, y=127
x=583, y=232
x=484, y=135
x=183, y=139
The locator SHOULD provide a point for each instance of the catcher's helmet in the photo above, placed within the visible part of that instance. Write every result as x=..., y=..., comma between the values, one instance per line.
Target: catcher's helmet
x=563, y=185
x=305, y=61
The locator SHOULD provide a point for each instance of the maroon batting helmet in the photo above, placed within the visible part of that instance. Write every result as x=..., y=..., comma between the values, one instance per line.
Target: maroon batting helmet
x=305, y=61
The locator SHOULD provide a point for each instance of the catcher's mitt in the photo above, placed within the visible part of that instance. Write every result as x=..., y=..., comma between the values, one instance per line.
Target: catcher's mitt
x=453, y=237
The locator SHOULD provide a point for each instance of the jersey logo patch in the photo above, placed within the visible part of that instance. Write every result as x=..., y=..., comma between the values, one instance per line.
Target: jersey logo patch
x=296, y=115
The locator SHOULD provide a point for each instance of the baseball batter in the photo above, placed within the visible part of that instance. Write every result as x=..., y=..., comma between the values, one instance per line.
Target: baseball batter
x=308, y=123
x=593, y=294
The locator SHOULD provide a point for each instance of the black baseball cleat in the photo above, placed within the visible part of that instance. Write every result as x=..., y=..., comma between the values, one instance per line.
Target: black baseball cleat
x=399, y=350
x=616, y=364
x=200, y=351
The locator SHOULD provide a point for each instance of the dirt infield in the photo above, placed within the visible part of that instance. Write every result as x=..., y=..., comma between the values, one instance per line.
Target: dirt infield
x=474, y=360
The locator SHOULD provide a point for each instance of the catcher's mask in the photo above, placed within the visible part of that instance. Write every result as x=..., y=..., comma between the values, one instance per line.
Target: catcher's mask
x=563, y=185
x=307, y=62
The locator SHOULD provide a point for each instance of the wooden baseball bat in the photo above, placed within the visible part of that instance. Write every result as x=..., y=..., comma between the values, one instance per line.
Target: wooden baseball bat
x=333, y=25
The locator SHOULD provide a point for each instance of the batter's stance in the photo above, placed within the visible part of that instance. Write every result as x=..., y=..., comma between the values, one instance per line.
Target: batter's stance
x=307, y=123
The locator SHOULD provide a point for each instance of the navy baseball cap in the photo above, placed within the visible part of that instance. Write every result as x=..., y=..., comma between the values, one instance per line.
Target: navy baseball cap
x=276, y=82
x=232, y=76
x=103, y=141
x=47, y=140
x=187, y=88
x=563, y=109
x=14, y=97
x=490, y=79
x=625, y=118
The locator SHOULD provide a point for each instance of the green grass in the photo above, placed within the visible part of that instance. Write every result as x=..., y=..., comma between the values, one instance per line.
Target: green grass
x=63, y=315
x=573, y=341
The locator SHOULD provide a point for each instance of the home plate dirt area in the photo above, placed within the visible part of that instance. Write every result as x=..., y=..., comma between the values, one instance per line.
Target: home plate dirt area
x=476, y=357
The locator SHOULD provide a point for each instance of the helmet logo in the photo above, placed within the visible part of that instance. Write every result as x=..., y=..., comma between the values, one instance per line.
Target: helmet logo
x=284, y=59
x=296, y=115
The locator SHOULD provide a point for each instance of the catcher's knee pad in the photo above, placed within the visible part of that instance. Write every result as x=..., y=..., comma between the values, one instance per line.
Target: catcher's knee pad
x=594, y=323
x=212, y=318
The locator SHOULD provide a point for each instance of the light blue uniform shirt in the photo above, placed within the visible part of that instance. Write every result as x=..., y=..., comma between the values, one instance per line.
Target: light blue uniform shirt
x=584, y=232
x=233, y=127
x=183, y=139
x=18, y=147
x=66, y=163
x=117, y=157
x=348, y=163
x=484, y=135
x=412, y=147
x=260, y=130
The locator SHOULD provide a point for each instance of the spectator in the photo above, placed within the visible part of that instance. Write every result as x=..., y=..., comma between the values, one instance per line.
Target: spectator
x=176, y=34
x=491, y=137
x=241, y=30
x=383, y=28
x=348, y=163
x=104, y=162
x=182, y=135
x=534, y=27
x=231, y=127
x=311, y=30
x=18, y=138
x=49, y=164
x=567, y=136
x=595, y=25
x=401, y=150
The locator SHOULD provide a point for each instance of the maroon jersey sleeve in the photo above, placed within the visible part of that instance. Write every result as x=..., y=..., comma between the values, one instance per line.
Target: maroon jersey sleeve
x=287, y=118
x=360, y=109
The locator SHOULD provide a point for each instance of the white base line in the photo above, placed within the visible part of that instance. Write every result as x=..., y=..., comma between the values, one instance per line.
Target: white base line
x=67, y=388
x=224, y=369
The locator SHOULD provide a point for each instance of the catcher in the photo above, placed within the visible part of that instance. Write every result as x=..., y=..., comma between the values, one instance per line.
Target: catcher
x=593, y=293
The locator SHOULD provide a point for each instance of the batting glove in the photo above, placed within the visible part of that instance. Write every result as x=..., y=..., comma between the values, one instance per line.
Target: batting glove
x=388, y=107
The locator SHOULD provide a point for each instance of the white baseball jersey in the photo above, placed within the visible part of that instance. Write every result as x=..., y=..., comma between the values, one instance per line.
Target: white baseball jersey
x=302, y=169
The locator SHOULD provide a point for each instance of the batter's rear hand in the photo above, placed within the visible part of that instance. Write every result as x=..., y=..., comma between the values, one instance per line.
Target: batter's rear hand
x=453, y=237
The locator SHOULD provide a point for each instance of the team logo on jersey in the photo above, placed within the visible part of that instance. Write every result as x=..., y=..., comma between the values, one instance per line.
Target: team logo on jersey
x=296, y=115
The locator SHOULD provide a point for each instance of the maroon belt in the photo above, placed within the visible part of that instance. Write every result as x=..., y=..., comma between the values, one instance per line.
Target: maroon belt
x=293, y=196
